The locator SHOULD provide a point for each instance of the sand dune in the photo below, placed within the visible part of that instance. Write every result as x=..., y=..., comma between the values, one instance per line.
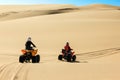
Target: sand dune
x=28, y=71
x=16, y=12
x=8, y=12
x=14, y=72
x=32, y=13
x=94, y=35
x=100, y=7
x=48, y=68
x=8, y=8
x=98, y=54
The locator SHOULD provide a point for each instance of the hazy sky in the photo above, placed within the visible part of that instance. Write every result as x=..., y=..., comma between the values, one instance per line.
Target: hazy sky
x=75, y=2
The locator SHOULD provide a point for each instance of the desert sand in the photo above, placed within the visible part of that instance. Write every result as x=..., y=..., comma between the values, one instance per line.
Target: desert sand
x=93, y=32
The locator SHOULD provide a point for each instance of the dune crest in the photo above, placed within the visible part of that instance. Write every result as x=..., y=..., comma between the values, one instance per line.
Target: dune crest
x=100, y=7
x=18, y=12
x=37, y=10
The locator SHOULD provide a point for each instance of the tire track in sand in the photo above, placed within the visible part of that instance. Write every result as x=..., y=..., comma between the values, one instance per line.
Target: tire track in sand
x=98, y=54
x=14, y=71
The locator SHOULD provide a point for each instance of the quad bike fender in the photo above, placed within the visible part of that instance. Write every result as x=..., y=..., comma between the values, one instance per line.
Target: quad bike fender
x=72, y=53
x=23, y=51
x=34, y=52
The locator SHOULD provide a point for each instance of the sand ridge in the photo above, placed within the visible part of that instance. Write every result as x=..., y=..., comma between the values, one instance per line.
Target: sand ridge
x=22, y=11
x=100, y=7
x=16, y=12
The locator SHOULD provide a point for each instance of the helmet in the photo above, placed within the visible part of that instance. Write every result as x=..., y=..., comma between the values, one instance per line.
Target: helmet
x=29, y=39
x=67, y=43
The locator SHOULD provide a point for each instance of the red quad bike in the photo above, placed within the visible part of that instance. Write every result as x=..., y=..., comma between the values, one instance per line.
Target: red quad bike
x=29, y=55
x=69, y=56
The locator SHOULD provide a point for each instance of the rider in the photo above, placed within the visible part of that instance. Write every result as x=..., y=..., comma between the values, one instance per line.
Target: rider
x=29, y=44
x=67, y=48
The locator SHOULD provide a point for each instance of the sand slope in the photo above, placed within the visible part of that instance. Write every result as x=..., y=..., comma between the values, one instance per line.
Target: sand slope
x=23, y=11
x=93, y=34
x=16, y=12
x=100, y=7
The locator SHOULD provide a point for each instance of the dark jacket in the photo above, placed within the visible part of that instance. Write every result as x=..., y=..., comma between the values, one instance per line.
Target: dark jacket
x=29, y=45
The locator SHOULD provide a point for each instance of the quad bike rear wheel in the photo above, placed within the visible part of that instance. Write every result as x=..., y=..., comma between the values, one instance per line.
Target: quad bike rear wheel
x=37, y=58
x=33, y=59
x=74, y=58
x=60, y=57
x=21, y=59
x=69, y=56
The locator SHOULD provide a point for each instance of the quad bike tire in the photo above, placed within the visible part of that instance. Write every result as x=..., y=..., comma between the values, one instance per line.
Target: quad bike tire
x=74, y=58
x=21, y=59
x=37, y=58
x=69, y=58
x=28, y=56
x=60, y=57
x=33, y=59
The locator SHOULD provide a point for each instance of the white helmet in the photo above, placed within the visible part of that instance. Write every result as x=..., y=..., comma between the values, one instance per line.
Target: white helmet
x=29, y=39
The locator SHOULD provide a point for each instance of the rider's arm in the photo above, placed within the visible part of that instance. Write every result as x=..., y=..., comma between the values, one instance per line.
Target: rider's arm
x=33, y=44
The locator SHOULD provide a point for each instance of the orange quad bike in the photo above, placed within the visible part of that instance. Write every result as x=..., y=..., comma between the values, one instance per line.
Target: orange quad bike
x=68, y=56
x=29, y=56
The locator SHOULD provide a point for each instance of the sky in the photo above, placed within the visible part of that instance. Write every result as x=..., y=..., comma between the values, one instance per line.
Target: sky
x=74, y=2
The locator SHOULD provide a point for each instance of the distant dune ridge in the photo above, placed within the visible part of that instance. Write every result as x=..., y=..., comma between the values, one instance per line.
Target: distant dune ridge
x=101, y=6
x=93, y=32
x=16, y=12
x=21, y=11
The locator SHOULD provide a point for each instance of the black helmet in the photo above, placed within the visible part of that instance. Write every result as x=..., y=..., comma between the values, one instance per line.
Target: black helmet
x=67, y=43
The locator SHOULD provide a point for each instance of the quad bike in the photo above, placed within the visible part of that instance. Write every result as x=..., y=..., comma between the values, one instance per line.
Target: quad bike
x=69, y=56
x=29, y=55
